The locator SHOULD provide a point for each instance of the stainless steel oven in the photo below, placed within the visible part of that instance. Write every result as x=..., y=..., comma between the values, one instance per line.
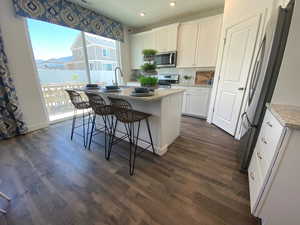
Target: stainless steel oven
x=166, y=59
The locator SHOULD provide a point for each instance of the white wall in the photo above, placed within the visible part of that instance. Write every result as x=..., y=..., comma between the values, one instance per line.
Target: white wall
x=125, y=56
x=22, y=67
x=287, y=89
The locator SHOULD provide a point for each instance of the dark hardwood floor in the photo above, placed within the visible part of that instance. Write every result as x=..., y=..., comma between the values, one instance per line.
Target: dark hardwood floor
x=53, y=181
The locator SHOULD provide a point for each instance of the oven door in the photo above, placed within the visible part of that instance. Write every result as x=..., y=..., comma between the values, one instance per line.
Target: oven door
x=166, y=59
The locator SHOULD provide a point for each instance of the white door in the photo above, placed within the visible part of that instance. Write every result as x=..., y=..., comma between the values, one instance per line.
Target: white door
x=237, y=57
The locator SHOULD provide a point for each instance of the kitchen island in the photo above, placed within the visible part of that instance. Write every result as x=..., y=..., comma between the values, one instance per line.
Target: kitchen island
x=165, y=106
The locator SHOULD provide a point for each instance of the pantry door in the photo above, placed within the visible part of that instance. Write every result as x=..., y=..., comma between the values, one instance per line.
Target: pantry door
x=240, y=43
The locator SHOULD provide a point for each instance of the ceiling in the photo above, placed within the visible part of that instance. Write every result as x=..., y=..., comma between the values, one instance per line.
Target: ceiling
x=128, y=11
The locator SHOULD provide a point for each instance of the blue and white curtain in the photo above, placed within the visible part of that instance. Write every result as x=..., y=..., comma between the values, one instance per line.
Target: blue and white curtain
x=65, y=13
x=11, y=122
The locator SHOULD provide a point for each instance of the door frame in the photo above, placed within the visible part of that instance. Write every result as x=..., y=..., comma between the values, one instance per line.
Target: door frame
x=262, y=16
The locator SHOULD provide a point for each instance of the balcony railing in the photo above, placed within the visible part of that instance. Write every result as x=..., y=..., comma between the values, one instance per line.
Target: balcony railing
x=57, y=100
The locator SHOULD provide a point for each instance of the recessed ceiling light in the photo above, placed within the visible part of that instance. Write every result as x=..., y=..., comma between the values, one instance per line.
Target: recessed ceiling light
x=172, y=4
x=142, y=14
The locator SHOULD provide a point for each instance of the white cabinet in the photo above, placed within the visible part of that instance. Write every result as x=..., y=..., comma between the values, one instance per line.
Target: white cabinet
x=274, y=170
x=209, y=33
x=263, y=157
x=138, y=43
x=195, y=101
x=198, y=42
x=165, y=38
x=187, y=43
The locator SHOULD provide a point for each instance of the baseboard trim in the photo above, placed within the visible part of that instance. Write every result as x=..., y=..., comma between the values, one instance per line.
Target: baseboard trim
x=38, y=126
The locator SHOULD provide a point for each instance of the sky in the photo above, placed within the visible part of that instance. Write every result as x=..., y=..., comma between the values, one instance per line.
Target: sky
x=50, y=40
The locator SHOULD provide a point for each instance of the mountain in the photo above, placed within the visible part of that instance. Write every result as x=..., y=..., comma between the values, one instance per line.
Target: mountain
x=55, y=63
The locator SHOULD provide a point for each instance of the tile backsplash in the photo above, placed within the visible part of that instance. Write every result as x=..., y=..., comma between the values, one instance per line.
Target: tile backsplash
x=181, y=71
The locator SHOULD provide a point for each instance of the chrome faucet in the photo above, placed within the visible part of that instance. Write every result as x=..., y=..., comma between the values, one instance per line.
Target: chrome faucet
x=116, y=75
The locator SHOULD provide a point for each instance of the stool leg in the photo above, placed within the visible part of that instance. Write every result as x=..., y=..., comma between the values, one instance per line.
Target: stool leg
x=4, y=196
x=106, y=132
x=135, y=143
x=3, y=211
x=92, y=131
x=150, y=136
x=112, y=138
x=83, y=128
x=73, y=123
x=88, y=128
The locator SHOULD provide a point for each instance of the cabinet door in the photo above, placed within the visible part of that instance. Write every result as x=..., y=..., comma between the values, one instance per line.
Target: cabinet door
x=198, y=102
x=209, y=32
x=161, y=40
x=184, y=103
x=187, y=42
x=148, y=40
x=166, y=38
x=137, y=44
x=172, y=38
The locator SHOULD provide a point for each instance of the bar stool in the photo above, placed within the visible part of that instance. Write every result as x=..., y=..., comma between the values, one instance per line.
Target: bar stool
x=79, y=104
x=2, y=195
x=125, y=114
x=103, y=110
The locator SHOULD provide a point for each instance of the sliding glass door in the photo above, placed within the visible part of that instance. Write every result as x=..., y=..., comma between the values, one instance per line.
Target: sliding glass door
x=67, y=58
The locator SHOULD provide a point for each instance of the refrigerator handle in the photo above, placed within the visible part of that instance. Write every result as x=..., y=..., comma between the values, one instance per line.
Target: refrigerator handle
x=256, y=69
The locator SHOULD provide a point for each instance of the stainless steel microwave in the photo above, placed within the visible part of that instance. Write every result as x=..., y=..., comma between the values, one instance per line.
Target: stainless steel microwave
x=166, y=59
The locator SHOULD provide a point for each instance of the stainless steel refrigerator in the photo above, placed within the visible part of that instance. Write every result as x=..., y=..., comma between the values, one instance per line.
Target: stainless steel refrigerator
x=263, y=80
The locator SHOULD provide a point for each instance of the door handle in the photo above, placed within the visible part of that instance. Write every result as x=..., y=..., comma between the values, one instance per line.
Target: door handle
x=241, y=89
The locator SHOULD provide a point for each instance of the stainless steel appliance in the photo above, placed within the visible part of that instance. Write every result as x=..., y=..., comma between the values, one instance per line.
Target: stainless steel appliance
x=267, y=66
x=166, y=59
x=168, y=79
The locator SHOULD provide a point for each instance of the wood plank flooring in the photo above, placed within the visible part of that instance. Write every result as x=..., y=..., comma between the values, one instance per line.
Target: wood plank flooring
x=53, y=181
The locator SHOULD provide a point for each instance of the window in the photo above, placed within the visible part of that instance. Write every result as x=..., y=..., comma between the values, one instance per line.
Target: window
x=105, y=52
x=108, y=67
x=103, y=69
x=60, y=56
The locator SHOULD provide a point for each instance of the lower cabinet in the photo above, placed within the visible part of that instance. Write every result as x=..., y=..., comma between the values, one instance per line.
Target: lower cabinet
x=196, y=101
x=274, y=183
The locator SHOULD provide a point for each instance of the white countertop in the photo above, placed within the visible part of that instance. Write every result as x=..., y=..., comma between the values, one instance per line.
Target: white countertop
x=126, y=93
x=192, y=85
x=287, y=115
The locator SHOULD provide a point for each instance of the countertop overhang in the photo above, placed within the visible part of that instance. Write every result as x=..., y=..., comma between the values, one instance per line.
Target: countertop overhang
x=126, y=93
x=287, y=115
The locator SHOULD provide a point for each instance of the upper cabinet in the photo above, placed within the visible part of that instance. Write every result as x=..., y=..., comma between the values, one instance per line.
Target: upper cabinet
x=209, y=33
x=138, y=43
x=187, y=43
x=165, y=38
x=198, y=42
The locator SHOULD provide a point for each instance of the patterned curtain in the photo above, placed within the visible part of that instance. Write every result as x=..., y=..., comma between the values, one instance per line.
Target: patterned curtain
x=65, y=13
x=11, y=123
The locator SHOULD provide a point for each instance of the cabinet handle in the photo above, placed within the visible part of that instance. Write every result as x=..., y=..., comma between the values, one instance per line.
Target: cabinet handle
x=252, y=175
x=264, y=140
x=269, y=124
x=259, y=155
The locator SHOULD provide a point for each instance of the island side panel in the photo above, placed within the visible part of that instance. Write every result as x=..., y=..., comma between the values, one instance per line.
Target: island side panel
x=171, y=110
